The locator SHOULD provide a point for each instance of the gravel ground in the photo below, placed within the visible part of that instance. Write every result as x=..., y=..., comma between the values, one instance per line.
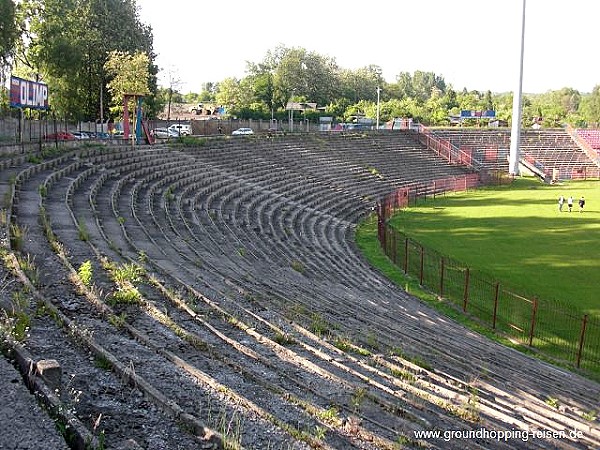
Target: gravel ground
x=23, y=423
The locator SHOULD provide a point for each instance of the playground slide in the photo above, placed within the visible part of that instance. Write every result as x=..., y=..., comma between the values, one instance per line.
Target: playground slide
x=149, y=138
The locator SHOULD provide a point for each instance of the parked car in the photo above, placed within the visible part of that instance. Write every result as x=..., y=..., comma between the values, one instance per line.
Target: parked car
x=101, y=135
x=60, y=136
x=180, y=129
x=242, y=132
x=164, y=133
x=80, y=135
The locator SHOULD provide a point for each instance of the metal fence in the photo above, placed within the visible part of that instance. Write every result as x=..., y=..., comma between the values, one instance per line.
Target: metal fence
x=27, y=129
x=22, y=130
x=554, y=329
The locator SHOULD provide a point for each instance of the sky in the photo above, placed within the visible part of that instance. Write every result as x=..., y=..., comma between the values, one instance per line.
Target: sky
x=473, y=44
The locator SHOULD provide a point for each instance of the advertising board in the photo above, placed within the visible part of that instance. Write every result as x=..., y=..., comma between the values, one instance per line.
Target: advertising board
x=28, y=94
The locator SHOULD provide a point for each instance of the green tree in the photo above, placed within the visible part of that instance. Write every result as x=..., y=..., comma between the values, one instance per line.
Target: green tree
x=420, y=85
x=590, y=107
x=394, y=108
x=129, y=73
x=450, y=99
x=337, y=108
x=302, y=74
x=8, y=39
x=208, y=91
x=361, y=84
x=296, y=74
x=262, y=79
x=8, y=30
x=437, y=113
x=69, y=43
x=229, y=94
x=556, y=106
x=503, y=105
x=488, y=101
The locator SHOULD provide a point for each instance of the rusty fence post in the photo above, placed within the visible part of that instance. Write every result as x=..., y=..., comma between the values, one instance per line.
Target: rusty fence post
x=533, y=316
x=466, y=294
x=394, y=252
x=581, y=340
x=422, y=265
x=406, y=255
x=442, y=267
x=495, y=305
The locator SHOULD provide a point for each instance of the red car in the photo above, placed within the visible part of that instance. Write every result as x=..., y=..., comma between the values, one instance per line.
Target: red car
x=60, y=136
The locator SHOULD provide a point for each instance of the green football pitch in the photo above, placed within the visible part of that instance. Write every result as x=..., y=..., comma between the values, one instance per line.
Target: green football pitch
x=517, y=235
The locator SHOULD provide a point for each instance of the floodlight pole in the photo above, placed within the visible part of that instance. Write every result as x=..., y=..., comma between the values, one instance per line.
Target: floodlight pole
x=515, y=134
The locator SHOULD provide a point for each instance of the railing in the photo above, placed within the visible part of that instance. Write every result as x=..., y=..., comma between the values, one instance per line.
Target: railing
x=584, y=145
x=552, y=328
x=447, y=150
x=535, y=166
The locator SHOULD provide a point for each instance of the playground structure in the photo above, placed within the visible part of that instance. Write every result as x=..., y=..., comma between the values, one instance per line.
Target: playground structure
x=138, y=124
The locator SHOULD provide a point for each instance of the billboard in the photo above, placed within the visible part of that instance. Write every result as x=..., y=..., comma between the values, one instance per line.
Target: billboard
x=468, y=114
x=28, y=94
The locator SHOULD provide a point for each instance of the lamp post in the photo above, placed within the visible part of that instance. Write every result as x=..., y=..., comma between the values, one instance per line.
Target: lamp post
x=291, y=117
x=515, y=135
x=378, y=91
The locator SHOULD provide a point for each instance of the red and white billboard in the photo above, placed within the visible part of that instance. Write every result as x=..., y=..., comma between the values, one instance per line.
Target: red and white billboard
x=28, y=94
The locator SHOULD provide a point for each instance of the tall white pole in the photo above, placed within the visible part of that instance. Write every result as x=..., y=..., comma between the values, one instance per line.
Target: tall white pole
x=515, y=134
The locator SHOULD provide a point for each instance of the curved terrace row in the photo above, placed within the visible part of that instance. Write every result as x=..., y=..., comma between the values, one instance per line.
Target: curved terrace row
x=255, y=317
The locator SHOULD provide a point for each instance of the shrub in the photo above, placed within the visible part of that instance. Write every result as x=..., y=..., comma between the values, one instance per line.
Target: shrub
x=85, y=273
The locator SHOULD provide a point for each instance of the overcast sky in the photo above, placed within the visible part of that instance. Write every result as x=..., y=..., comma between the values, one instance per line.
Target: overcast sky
x=471, y=43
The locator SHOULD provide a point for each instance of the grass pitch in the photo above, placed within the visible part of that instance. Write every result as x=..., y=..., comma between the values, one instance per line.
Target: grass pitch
x=517, y=235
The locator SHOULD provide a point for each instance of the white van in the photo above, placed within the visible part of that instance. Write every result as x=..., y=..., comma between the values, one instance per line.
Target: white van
x=179, y=129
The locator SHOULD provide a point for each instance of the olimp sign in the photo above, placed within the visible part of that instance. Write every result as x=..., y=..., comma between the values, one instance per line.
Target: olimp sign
x=28, y=94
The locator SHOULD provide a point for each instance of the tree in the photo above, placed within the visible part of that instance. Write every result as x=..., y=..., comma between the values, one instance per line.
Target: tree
x=8, y=38
x=262, y=79
x=229, y=94
x=436, y=110
x=361, y=84
x=590, y=106
x=69, y=43
x=129, y=75
x=420, y=85
x=8, y=30
x=503, y=104
x=299, y=73
x=488, y=102
x=174, y=83
x=261, y=84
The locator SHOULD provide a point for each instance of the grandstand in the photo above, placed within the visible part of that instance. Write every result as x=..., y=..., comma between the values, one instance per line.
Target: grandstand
x=553, y=152
x=591, y=136
x=227, y=302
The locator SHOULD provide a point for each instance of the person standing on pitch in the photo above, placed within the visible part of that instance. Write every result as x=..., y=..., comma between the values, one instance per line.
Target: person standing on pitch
x=561, y=202
x=581, y=203
x=570, y=202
